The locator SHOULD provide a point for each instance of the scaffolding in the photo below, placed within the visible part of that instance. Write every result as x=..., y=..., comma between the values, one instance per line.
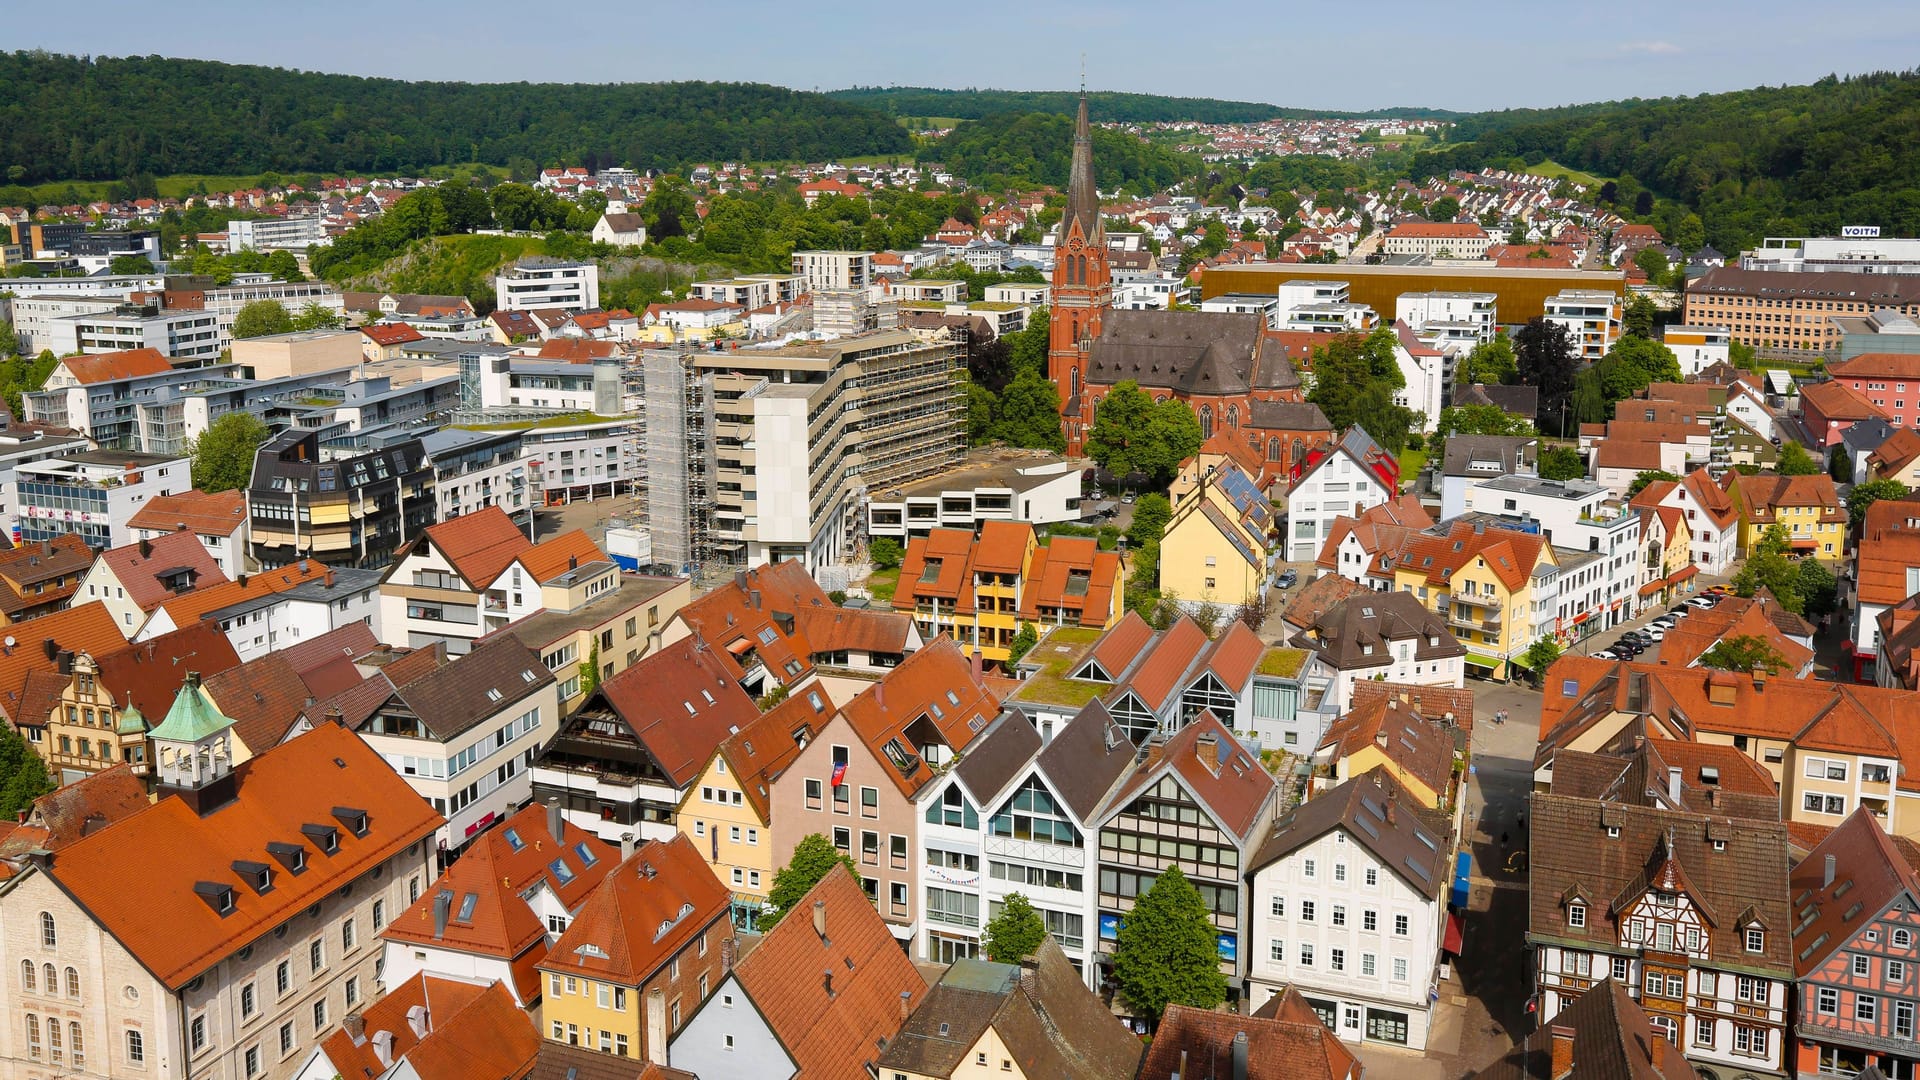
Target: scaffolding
x=679, y=459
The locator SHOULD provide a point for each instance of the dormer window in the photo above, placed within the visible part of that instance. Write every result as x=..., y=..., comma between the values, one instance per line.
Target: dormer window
x=257, y=875
x=218, y=895
x=1756, y=939
x=1577, y=915
x=291, y=856
x=355, y=820
x=325, y=837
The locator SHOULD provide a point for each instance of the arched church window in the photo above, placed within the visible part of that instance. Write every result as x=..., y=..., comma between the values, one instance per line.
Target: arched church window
x=1206, y=421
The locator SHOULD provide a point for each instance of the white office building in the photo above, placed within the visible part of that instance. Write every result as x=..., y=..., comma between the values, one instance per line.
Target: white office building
x=531, y=284
x=276, y=234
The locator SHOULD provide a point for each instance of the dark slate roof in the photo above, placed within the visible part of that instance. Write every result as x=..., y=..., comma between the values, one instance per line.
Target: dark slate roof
x=1288, y=416
x=1509, y=450
x=1865, y=436
x=454, y=697
x=1343, y=633
x=1086, y=759
x=1372, y=811
x=993, y=759
x=1194, y=352
x=1521, y=401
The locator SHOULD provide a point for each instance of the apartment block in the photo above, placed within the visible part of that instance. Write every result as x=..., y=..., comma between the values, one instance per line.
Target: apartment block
x=531, y=284
x=1591, y=318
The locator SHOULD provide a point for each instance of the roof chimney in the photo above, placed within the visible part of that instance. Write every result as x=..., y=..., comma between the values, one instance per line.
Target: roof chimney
x=1673, y=785
x=442, y=907
x=826, y=981
x=420, y=1021
x=906, y=1004
x=383, y=1048
x=1380, y=737
x=556, y=821
x=1826, y=875
x=146, y=548
x=355, y=1026
x=1239, y=1055
x=1759, y=677
x=820, y=917
x=656, y=1049
x=1562, y=1051
x=626, y=846
x=573, y=562
x=1389, y=802
x=754, y=595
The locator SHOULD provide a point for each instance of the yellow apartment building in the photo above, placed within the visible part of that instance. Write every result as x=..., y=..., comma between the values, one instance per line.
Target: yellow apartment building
x=1481, y=580
x=1807, y=507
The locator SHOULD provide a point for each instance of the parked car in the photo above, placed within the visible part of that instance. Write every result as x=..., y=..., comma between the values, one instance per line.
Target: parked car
x=1287, y=578
x=1700, y=602
x=1607, y=654
x=1665, y=622
x=1655, y=633
x=1635, y=635
x=1628, y=648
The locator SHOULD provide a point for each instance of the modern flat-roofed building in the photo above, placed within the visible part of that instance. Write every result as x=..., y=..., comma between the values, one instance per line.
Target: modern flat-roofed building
x=1520, y=293
x=1796, y=310
x=94, y=493
x=834, y=269
x=186, y=334
x=342, y=507
x=999, y=485
x=276, y=234
x=531, y=284
x=1591, y=318
x=1698, y=347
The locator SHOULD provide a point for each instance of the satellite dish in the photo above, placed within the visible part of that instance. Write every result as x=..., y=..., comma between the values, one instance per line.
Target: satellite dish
x=10, y=642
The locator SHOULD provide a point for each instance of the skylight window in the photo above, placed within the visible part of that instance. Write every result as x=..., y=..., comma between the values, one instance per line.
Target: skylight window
x=561, y=871
x=513, y=839
x=467, y=904
x=587, y=857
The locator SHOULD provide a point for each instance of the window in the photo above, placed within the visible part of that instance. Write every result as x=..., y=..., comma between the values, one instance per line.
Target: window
x=196, y=1033
x=379, y=914
x=1372, y=877
x=1903, y=1019
x=27, y=980
x=1339, y=914
x=1337, y=959
x=1896, y=971
x=346, y=936
x=1827, y=1001
x=1339, y=871
x=49, y=938
x=1749, y=1040
x=813, y=794
x=136, y=1046
x=283, y=976
x=253, y=1061
x=1815, y=803
x=316, y=955
x=1033, y=814
x=247, y=1002
x=1306, y=910
x=286, y=1038
x=33, y=1036
x=1862, y=966
x=1399, y=969
x=1750, y=989
x=869, y=802
x=1903, y=938
x=1279, y=912
x=74, y=1043
x=1366, y=964
x=1619, y=969
x=1756, y=939
x=1306, y=955
x=1576, y=915
x=319, y=1015
x=1306, y=868
x=1866, y=1008
x=1370, y=920
x=1400, y=926
x=1703, y=1032
x=1277, y=951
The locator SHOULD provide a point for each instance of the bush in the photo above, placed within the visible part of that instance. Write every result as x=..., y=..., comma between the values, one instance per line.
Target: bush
x=886, y=553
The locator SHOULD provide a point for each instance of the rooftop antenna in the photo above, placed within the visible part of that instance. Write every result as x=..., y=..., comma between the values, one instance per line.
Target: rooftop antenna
x=1083, y=73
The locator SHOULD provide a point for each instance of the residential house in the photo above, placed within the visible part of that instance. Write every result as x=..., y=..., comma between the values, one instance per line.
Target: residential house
x=218, y=519
x=68, y=813
x=980, y=591
x=1807, y=507
x=1760, y=617
x=1828, y=408
x=1603, y=1034
x=595, y=618
x=349, y=508
x=1887, y=380
x=271, y=609
x=1688, y=909
x=1895, y=664
x=1898, y=459
x=1200, y=800
x=1389, y=636
x=250, y=936
x=1857, y=909
x=1486, y=583
x=1283, y=1039
x=100, y=716
x=385, y=341
x=41, y=577
x=646, y=948
x=92, y=494
x=620, y=230
x=885, y=745
x=1578, y=517
x=726, y=810
x=438, y=583
x=265, y=697
x=763, y=1020
x=1713, y=520
x=1028, y=811
x=1361, y=548
x=1348, y=907
x=134, y=580
x=1413, y=735
x=1666, y=544
x=30, y=682
x=1331, y=482
x=464, y=734
x=1470, y=459
x=626, y=758
x=1884, y=572
x=1028, y=1020
x=430, y=1028
x=1215, y=548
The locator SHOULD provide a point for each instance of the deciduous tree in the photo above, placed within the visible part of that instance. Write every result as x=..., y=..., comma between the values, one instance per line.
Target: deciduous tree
x=1014, y=933
x=1873, y=491
x=1743, y=652
x=262, y=318
x=1544, y=355
x=885, y=553
x=1648, y=476
x=23, y=774
x=814, y=857
x=1134, y=434
x=1167, y=951
x=1795, y=461
x=1561, y=463
x=223, y=455
x=1354, y=379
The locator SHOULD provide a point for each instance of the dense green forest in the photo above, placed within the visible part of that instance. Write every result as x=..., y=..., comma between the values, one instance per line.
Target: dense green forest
x=1102, y=105
x=67, y=117
x=1037, y=148
x=1787, y=160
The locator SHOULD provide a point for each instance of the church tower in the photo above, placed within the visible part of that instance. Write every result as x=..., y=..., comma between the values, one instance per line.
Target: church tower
x=1082, y=288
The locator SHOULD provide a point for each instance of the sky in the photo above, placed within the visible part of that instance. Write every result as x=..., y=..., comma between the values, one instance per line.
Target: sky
x=1481, y=54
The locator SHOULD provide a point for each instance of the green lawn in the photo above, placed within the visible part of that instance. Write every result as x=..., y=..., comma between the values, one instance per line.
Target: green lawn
x=567, y=420
x=881, y=585
x=1558, y=171
x=174, y=187
x=1064, y=648
x=1411, y=462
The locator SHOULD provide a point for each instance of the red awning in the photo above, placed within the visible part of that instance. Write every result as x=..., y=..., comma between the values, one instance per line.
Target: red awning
x=1456, y=935
x=1580, y=618
x=1682, y=574
x=739, y=645
x=1809, y=543
x=1652, y=587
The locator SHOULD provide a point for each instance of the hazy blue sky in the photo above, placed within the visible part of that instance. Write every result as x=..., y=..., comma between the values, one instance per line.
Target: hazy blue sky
x=1477, y=55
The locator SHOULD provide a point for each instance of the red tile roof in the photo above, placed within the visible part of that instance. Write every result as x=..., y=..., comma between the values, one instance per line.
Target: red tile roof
x=1834, y=906
x=1436, y=230
x=643, y=912
x=1285, y=1041
x=195, y=605
x=1220, y=772
x=1073, y=574
x=1173, y=653
x=1002, y=547
x=1877, y=366
x=1837, y=401
x=148, y=674
x=474, y=1030
x=167, y=848
x=104, y=367
x=208, y=514
x=935, y=684
x=733, y=614
x=762, y=749
x=551, y=558
x=575, y=350
x=680, y=702
x=137, y=567
x=391, y=334
x=88, y=628
x=1120, y=646
x=478, y=545
x=1764, y=494
x=1889, y=544
x=831, y=1036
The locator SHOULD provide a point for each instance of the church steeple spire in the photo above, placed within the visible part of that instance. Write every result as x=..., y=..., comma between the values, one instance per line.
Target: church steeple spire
x=1083, y=199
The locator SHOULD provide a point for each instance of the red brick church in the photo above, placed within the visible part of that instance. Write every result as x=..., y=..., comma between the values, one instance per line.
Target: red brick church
x=1234, y=372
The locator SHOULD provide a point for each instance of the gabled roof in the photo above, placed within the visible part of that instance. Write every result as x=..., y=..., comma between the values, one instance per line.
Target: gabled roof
x=1877, y=365
x=139, y=567
x=1509, y=553
x=1317, y=597
x=1086, y=759
x=1001, y=752
x=1357, y=632
x=1889, y=544
x=1157, y=675
x=1285, y=1041
x=830, y=1036
x=553, y=557
x=176, y=934
x=1710, y=497
x=106, y=367
x=204, y=513
x=1699, y=630
x=442, y=998
x=1378, y=816
x=1611, y=1041
x=147, y=674
x=1380, y=530
x=474, y=1030
x=1121, y=646
x=1073, y=574
x=1765, y=494
x=1896, y=455
x=935, y=686
x=478, y=545
x=505, y=866
x=1417, y=744
x=88, y=628
x=454, y=697
x=741, y=615
x=1216, y=768
x=68, y=813
x=1836, y=400
x=680, y=703
x=1868, y=875
x=1705, y=778
x=195, y=605
x=763, y=748
x=644, y=910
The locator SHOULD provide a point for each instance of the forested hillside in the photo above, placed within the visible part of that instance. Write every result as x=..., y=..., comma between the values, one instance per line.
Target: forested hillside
x=64, y=117
x=1103, y=105
x=1791, y=160
x=1037, y=148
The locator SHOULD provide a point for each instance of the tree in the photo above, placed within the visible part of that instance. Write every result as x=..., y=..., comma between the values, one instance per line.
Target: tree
x=1444, y=208
x=1167, y=952
x=981, y=406
x=669, y=208
x=1134, y=434
x=1255, y=612
x=283, y=265
x=1640, y=317
x=1028, y=413
x=223, y=454
x=1474, y=420
x=315, y=317
x=262, y=318
x=1795, y=461
x=1839, y=464
x=1690, y=235
x=1818, y=590
x=1873, y=491
x=23, y=774
x=590, y=669
x=9, y=340
x=1743, y=652
x=1491, y=362
x=1653, y=263
x=1543, y=352
x=1631, y=365
x=1540, y=655
x=1023, y=642
x=1014, y=933
x=885, y=553
x=1151, y=512
x=1354, y=380
x=814, y=857
x=1769, y=568
x=1561, y=463
x=130, y=264
x=1647, y=476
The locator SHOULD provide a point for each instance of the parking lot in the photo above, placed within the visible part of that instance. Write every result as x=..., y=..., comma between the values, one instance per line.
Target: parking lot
x=1650, y=628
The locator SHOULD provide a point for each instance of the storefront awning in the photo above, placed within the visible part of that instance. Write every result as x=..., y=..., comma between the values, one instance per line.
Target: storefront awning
x=1682, y=574
x=1652, y=587
x=1456, y=935
x=1803, y=543
x=1484, y=661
